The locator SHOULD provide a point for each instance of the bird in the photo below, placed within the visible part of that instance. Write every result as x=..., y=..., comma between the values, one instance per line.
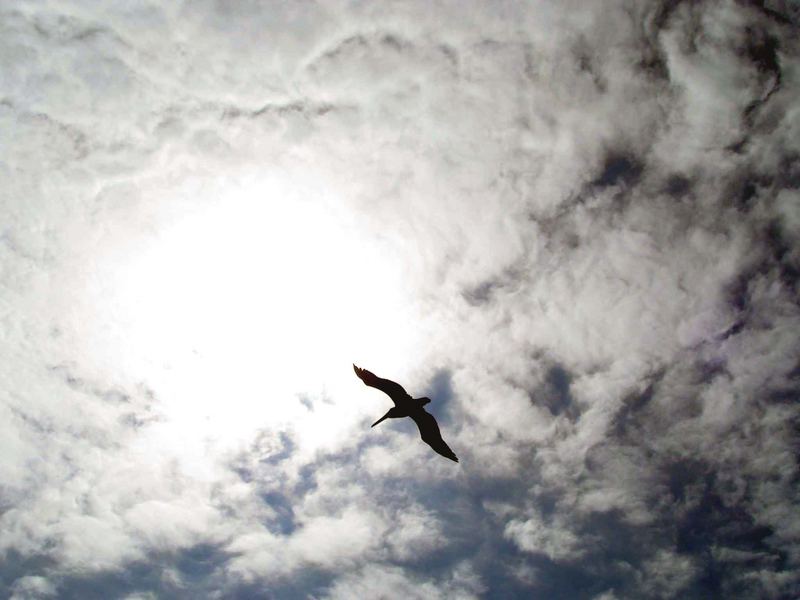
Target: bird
x=406, y=406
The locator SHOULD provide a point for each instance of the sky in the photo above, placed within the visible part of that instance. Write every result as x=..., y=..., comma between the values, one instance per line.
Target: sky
x=573, y=225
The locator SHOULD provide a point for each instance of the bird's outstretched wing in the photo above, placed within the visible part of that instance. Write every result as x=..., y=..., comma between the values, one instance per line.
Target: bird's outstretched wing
x=394, y=390
x=430, y=434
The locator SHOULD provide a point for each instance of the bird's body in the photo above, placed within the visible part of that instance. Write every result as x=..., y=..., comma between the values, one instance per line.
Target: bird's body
x=406, y=406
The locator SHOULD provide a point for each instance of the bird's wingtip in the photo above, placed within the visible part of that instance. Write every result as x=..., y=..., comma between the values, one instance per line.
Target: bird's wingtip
x=449, y=455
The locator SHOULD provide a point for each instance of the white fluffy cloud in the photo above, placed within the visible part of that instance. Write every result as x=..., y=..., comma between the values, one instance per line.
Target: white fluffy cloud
x=574, y=226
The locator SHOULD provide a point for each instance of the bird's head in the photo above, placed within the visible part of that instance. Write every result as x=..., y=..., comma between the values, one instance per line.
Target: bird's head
x=425, y=401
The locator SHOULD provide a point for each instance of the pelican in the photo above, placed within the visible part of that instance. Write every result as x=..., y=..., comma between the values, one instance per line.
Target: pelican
x=406, y=406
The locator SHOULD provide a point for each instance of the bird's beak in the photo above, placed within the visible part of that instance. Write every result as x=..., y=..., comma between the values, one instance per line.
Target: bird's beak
x=386, y=416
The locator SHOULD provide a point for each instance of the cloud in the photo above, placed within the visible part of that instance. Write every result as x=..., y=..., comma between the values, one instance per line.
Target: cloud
x=387, y=582
x=575, y=227
x=33, y=587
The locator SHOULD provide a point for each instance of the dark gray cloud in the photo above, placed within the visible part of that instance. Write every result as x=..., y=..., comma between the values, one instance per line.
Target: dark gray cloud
x=574, y=226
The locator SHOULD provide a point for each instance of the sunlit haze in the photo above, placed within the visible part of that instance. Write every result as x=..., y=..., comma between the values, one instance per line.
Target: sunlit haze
x=260, y=294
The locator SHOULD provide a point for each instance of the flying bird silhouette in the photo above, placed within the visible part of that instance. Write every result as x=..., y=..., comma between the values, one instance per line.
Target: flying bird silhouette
x=406, y=406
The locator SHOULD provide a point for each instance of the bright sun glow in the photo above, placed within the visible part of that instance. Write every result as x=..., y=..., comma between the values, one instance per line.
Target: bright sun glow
x=240, y=309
